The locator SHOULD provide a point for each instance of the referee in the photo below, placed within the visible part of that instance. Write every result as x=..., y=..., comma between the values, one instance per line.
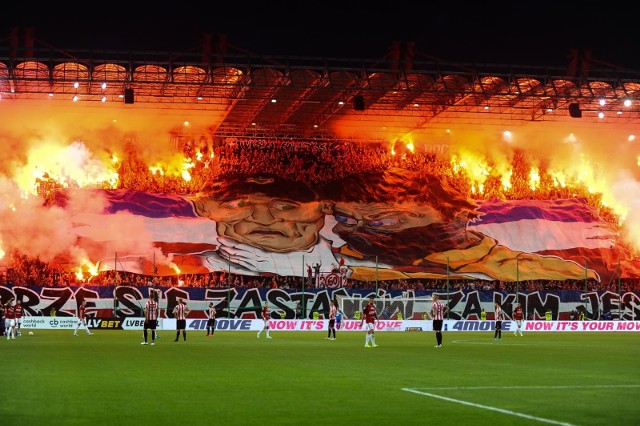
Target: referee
x=438, y=309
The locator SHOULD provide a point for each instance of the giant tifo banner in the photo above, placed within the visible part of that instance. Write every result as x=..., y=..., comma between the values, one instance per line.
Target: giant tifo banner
x=127, y=303
x=377, y=226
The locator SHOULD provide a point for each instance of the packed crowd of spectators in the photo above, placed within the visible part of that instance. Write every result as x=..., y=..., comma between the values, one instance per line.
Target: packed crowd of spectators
x=320, y=163
x=27, y=272
x=316, y=163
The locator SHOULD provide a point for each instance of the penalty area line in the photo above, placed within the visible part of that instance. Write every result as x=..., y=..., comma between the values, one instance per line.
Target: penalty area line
x=486, y=407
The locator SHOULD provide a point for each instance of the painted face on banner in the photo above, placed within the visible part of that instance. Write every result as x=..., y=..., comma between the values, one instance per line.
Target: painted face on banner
x=273, y=224
x=396, y=234
x=383, y=218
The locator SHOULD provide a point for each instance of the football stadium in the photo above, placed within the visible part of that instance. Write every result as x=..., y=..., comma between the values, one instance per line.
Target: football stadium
x=212, y=236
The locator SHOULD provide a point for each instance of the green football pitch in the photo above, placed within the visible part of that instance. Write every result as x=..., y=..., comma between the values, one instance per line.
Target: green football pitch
x=300, y=378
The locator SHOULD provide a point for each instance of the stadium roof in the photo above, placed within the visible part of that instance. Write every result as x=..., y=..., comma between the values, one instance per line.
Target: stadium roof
x=317, y=98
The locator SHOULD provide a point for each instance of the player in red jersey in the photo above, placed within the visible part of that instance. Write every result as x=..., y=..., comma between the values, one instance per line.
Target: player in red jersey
x=438, y=309
x=151, y=313
x=211, y=319
x=370, y=316
x=2, y=321
x=10, y=320
x=265, y=318
x=180, y=312
x=82, y=319
x=18, y=310
x=518, y=316
x=332, y=321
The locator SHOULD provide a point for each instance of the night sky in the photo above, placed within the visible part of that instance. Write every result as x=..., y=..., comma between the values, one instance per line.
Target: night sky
x=538, y=33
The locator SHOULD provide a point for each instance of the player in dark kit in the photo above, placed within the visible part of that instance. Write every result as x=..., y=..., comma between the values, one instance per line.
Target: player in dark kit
x=499, y=316
x=211, y=320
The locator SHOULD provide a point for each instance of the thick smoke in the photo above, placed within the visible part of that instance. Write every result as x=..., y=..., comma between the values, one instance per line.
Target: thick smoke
x=51, y=142
x=82, y=140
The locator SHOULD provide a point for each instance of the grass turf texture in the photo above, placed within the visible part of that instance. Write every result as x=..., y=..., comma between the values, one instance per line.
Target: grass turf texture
x=296, y=378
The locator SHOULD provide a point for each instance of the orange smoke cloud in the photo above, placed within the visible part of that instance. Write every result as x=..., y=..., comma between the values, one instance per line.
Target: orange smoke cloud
x=83, y=146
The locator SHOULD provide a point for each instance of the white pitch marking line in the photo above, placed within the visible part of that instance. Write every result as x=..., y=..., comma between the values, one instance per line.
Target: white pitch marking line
x=486, y=407
x=533, y=387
